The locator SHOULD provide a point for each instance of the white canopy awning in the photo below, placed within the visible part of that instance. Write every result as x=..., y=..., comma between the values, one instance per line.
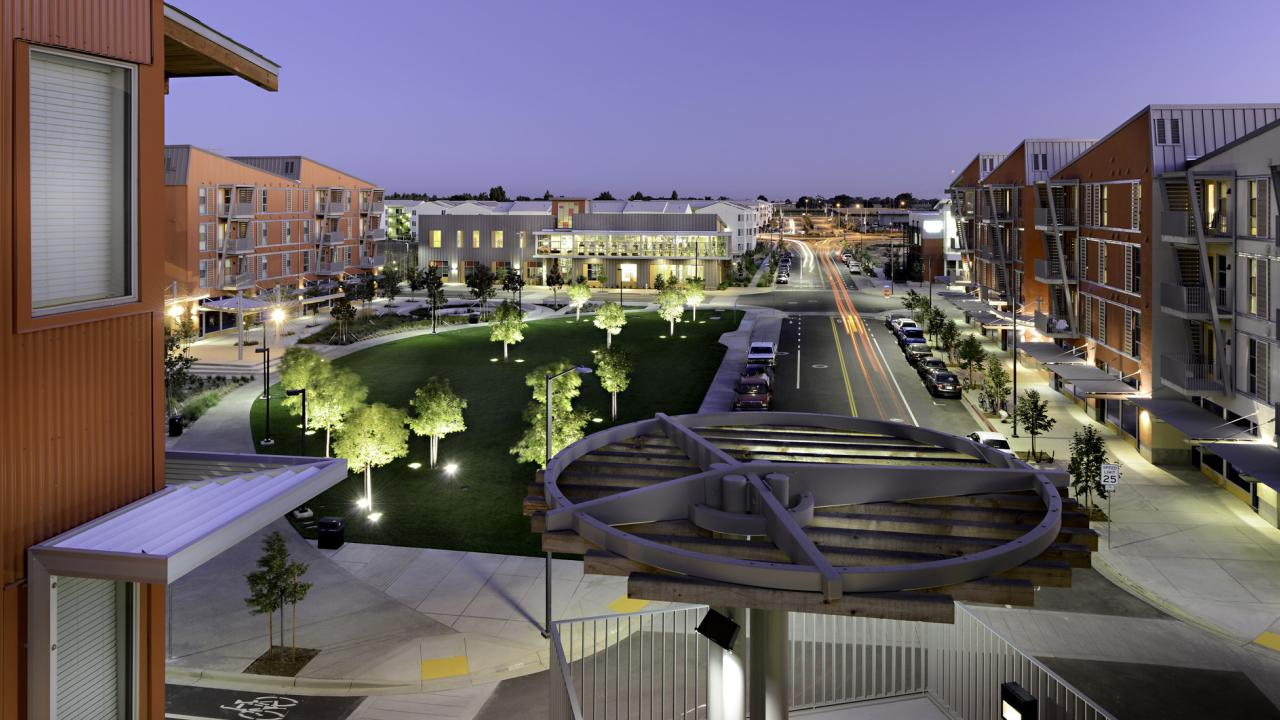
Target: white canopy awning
x=167, y=534
x=236, y=305
x=1051, y=354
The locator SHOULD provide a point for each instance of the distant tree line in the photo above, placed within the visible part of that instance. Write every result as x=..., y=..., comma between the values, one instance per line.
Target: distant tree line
x=499, y=194
x=844, y=201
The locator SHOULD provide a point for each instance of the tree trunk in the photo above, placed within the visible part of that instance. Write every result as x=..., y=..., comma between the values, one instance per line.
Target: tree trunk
x=695, y=312
x=293, y=631
x=271, y=629
x=435, y=443
x=327, y=435
x=608, y=339
x=504, y=351
x=615, y=405
x=672, y=332
x=577, y=317
x=368, y=486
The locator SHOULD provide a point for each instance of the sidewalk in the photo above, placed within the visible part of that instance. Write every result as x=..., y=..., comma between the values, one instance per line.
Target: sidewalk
x=1177, y=540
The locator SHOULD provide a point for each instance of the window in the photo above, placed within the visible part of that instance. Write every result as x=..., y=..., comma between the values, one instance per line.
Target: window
x=288, y=200
x=204, y=201
x=262, y=234
x=521, y=236
x=1174, y=134
x=1251, y=271
x=435, y=239
x=475, y=238
x=288, y=167
x=288, y=233
x=497, y=240
x=203, y=233
x=264, y=200
x=1257, y=368
x=262, y=268
x=1135, y=206
x=82, y=137
x=1132, y=272
x=1135, y=333
x=1258, y=208
x=204, y=274
x=459, y=233
x=1103, y=199
x=306, y=261
x=1161, y=137
x=287, y=261
x=1040, y=161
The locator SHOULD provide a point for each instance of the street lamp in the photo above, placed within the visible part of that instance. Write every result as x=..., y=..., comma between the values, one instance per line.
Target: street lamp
x=302, y=437
x=265, y=352
x=581, y=370
x=277, y=316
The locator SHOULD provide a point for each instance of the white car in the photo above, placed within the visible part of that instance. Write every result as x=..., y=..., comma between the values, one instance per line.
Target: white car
x=992, y=440
x=762, y=351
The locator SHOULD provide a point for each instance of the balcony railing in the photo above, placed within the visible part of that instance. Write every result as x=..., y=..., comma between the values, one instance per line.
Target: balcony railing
x=1190, y=376
x=1179, y=226
x=1191, y=303
x=235, y=209
x=997, y=215
x=237, y=245
x=376, y=234
x=371, y=261
x=332, y=238
x=371, y=207
x=330, y=268
x=1047, y=272
x=334, y=208
x=1066, y=218
x=240, y=281
x=1055, y=327
x=1226, y=301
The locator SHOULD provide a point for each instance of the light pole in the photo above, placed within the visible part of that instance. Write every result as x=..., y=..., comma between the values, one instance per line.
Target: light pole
x=277, y=316
x=581, y=370
x=265, y=352
x=1017, y=291
x=302, y=437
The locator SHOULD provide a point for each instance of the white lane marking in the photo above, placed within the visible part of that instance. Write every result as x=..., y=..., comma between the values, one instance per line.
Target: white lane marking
x=889, y=369
x=818, y=367
x=798, y=367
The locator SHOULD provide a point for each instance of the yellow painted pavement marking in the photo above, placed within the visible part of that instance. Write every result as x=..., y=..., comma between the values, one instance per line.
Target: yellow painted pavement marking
x=848, y=387
x=445, y=667
x=625, y=604
x=1269, y=639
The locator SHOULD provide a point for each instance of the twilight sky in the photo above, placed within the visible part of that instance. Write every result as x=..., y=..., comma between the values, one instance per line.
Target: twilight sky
x=706, y=97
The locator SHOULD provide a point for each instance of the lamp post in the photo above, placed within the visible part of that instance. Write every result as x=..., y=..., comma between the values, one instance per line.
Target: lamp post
x=302, y=437
x=277, y=316
x=265, y=352
x=581, y=370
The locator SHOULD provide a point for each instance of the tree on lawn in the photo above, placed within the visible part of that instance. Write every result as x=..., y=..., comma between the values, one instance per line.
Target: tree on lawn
x=949, y=336
x=996, y=382
x=333, y=397
x=366, y=288
x=301, y=369
x=579, y=294
x=610, y=318
x=391, y=279
x=1088, y=453
x=481, y=284
x=343, y=313
x=613, y=367
x=433, y=283
x=1033, y=413
x=267, y=584
x=671, y=306
x=695, y=293
x=374, y=436
x=508, y=326
x=555, y=281
x=512, y=282
x=567, y=423
x=970, y=355
x=417, y=280
x=438, y=412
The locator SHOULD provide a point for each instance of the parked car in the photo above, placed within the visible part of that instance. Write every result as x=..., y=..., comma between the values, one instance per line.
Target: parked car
x=752, y=394
x=929, y=364
x=783, y=279
x=992, y=440
x=763, y=352
x=895, y=323
x=942, y=383
x=906, y=334
x=754, y=370
x=917, y=351
x=854, y=269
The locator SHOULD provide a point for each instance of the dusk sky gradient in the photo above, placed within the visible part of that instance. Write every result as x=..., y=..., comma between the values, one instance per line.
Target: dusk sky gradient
x=706, y=98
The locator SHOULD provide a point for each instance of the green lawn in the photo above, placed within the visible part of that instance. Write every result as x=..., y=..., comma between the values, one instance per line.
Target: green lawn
x=480, y=507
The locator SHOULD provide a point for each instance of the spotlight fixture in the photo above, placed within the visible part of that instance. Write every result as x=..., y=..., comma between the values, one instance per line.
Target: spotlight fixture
x=719, y=629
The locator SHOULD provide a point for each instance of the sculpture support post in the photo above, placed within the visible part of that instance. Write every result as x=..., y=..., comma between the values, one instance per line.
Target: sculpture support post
x=770, y=658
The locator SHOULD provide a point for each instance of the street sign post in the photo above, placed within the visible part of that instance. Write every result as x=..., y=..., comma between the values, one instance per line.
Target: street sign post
x=1110, y=479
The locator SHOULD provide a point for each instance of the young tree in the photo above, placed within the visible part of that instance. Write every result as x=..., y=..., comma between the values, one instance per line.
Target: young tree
x=417, y=280
x=567, y=423
x=970, y=355
x=301, y=369
x=1033, y=413
x=555, y=281
x=481, y=284
x=508, y=326
x=949, y=336
x=343, y=313
x=695, y=293
x=438, y=412
x=659, y=282
x=434, y=285
x=613, y=367
x=366, y=289
x=512, y=282
x=935, y=322
x=267, y=584
x=579, y=294
x=374, y=436
x=1088, y=453
x=295, y=591
x=391, y=279
x=996, y=382
x=332, y=398
x=610, y=318
x=671, y=305
x=177, y=366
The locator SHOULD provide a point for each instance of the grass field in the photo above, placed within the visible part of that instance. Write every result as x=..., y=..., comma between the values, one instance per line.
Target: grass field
x=479, y=508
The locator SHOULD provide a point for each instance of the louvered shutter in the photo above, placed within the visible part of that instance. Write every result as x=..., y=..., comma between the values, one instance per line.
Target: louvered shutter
x=90, y=652
x=1263, y=370
x=1264, y=296
x=1135, y=206
x=1264, y=207
x=1102, y=321
x=81, y=182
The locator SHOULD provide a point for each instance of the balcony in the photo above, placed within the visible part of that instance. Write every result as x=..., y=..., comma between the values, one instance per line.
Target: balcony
x=240, y=281
x=1178, y=226
x=368, y=262
x=997, y=215
x=1188, y=303
x=376, y=234
x=1054, y=327
x=1189, y=376
x=371, y=207
x=235, y=209
x=1066, y=218
x=237, y=246
x=330, y=268
x=339, y=207
x=1051, y=273
x=332, y=238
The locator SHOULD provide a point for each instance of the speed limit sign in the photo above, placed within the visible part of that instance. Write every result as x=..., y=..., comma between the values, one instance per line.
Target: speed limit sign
x=1110, y=474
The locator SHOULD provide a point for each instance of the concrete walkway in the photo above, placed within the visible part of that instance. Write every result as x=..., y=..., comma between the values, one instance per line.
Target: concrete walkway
x=1177, y=539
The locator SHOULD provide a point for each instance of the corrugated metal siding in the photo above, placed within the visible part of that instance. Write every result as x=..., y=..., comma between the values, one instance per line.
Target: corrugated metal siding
x=1060, y=153
x=176, y=160
x=644, y=221
x=114, y=28
x=274, y=164
x=510, y=225
x=1204, y=129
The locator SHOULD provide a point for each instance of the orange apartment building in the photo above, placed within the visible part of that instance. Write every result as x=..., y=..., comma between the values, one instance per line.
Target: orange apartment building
x=272, y=226
x=963, y=192
x=90, y=531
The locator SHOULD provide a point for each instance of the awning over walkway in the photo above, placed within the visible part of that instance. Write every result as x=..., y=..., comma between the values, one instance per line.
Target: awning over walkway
x=1111, y=387
x=1051, y=354
x=1258, y=461
x=237, y=305
x=167, y=534
x=1189, y=419
x=1089, y=380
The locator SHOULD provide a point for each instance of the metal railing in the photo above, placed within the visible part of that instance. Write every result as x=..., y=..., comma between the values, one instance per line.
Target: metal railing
x=240, y=281
x=335, y=208
x=1052, y=272
x=237, y=245
x=375, y=234
x=1189, y=374
x=330, y=268
x=1054, y=326
x=235, y=209
x=1179, y=226
x=1184, y=300
x=372, y=261
x=332, y=238
x=1066, y=217
x=655, y=664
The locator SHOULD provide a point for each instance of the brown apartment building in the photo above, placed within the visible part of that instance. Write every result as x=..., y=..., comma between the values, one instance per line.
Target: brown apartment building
x=265, y=225
x=963, y=192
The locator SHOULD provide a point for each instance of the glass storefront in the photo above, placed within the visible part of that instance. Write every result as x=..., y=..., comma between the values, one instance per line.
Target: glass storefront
x=635, y=245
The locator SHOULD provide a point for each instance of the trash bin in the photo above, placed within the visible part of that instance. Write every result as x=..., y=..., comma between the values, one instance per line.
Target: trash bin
x=331, y=533
x=473, y=318
x=175, y=425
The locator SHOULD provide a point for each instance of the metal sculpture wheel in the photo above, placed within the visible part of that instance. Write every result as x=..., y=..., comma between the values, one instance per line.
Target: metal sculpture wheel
x=778, y=500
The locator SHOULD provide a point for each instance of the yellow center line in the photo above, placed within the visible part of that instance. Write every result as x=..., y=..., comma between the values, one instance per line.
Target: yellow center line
x=848, y=387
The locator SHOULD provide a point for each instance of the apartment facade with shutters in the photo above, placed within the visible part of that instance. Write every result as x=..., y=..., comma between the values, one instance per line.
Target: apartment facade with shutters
x=963, y=193
x=266, y=225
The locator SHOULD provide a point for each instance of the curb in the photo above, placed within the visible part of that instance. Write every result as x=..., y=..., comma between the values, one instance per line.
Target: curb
x=243, y=681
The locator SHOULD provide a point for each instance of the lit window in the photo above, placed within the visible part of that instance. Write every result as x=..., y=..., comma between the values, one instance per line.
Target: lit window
x=83, y=146
x=475, y=238
x=435, y=239
x=497, y=240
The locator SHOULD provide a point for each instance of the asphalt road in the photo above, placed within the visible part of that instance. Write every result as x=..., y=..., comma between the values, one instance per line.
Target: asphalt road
x=183, y=702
